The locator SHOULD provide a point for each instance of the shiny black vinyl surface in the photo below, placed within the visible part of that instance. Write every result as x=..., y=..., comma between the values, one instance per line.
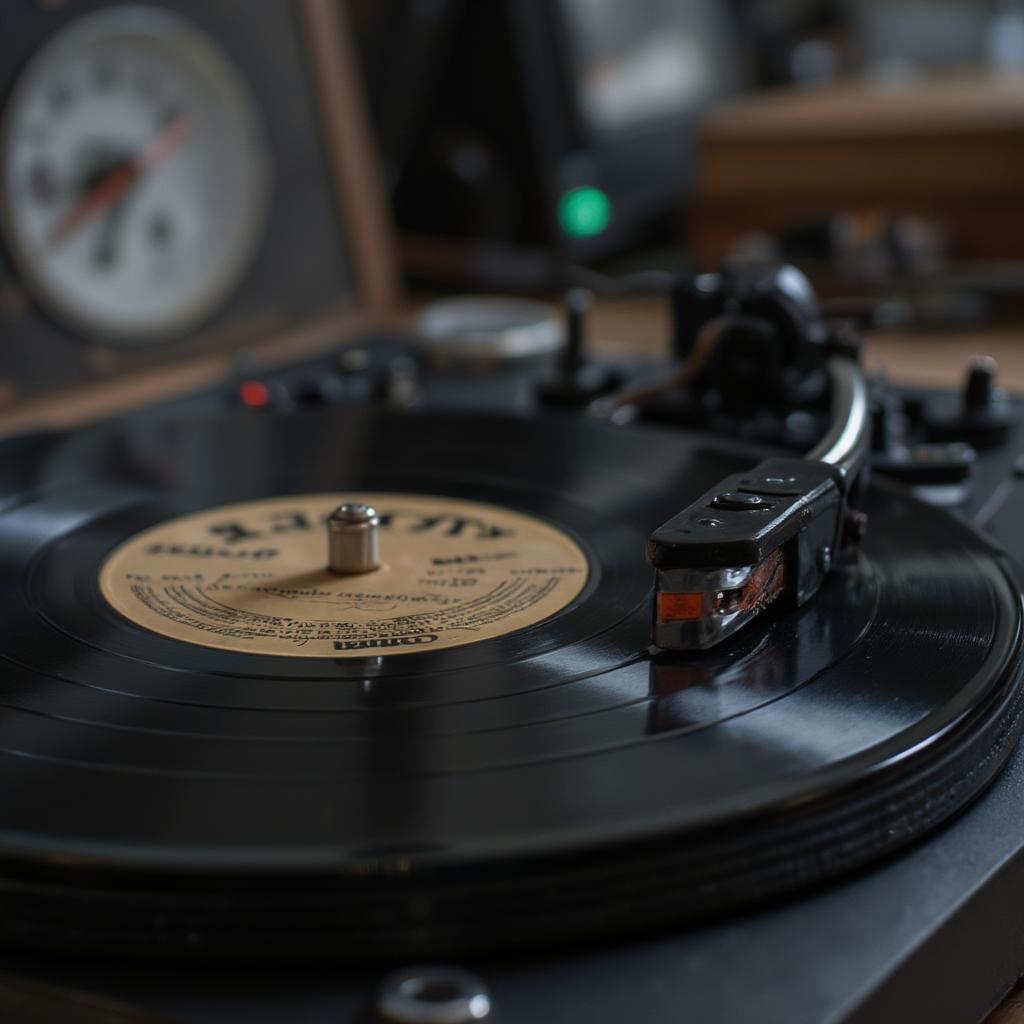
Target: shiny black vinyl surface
x=558, y=782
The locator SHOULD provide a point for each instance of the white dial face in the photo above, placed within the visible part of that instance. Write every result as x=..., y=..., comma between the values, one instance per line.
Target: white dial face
x=134, y=175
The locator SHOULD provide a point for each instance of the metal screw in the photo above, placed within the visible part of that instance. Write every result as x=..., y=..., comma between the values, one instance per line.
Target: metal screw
x=433, y=995
x=741, y=502
x=353, y=544
x=825, y=558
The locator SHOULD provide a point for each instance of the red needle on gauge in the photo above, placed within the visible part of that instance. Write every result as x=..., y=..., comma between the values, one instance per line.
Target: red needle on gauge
x=121, y=177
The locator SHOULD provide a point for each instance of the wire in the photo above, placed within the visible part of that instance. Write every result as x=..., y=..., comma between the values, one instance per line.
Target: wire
x=705, y=345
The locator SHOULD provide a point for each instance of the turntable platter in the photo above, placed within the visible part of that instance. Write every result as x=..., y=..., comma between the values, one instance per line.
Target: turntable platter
x=548, y=778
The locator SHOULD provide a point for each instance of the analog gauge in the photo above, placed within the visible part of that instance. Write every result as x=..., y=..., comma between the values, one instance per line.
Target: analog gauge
x=134, y=175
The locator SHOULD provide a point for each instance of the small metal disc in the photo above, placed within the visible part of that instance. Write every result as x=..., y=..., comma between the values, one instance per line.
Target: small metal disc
x=479, y=331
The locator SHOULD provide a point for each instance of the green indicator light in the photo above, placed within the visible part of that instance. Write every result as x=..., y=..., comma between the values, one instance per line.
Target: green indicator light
x=584, y=212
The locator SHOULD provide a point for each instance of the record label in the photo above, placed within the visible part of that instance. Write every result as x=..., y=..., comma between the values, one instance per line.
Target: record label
x=253, y=577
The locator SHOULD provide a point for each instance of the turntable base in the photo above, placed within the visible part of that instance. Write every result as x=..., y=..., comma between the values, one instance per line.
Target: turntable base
x=888, y=947
x=892, y=940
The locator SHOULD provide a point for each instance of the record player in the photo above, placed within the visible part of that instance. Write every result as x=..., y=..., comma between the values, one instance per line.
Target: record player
x=461, y=677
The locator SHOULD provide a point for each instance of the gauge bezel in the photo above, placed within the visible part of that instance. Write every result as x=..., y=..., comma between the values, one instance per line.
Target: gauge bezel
x=198, y=51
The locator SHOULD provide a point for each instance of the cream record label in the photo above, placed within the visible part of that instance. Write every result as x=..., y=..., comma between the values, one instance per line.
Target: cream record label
x=254, y=577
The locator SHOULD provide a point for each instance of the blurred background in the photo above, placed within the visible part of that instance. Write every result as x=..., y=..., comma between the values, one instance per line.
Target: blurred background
x=186, y=179
x=528, y=144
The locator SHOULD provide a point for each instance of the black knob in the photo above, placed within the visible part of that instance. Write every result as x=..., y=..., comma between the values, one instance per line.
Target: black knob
x=979, y=386
x=576, y=381
x=323, y=388
x=578, y=303
x=985, y=416
x=881, y=420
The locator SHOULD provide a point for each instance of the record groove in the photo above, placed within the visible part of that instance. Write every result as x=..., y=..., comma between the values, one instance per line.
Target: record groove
x=551, y=783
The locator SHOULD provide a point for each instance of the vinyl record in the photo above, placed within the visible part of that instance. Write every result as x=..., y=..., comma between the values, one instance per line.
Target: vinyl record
x=209, y=745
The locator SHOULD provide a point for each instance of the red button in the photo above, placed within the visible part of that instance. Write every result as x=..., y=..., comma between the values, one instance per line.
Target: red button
x=254, y=393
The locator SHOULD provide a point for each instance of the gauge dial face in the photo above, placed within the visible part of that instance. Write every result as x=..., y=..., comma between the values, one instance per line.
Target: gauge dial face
x=134, y=175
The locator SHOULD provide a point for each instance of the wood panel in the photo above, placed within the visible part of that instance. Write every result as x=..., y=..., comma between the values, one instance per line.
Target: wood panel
x=948, y=150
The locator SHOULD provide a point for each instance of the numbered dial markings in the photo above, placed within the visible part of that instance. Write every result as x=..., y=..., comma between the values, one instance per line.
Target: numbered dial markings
x=134, y=175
